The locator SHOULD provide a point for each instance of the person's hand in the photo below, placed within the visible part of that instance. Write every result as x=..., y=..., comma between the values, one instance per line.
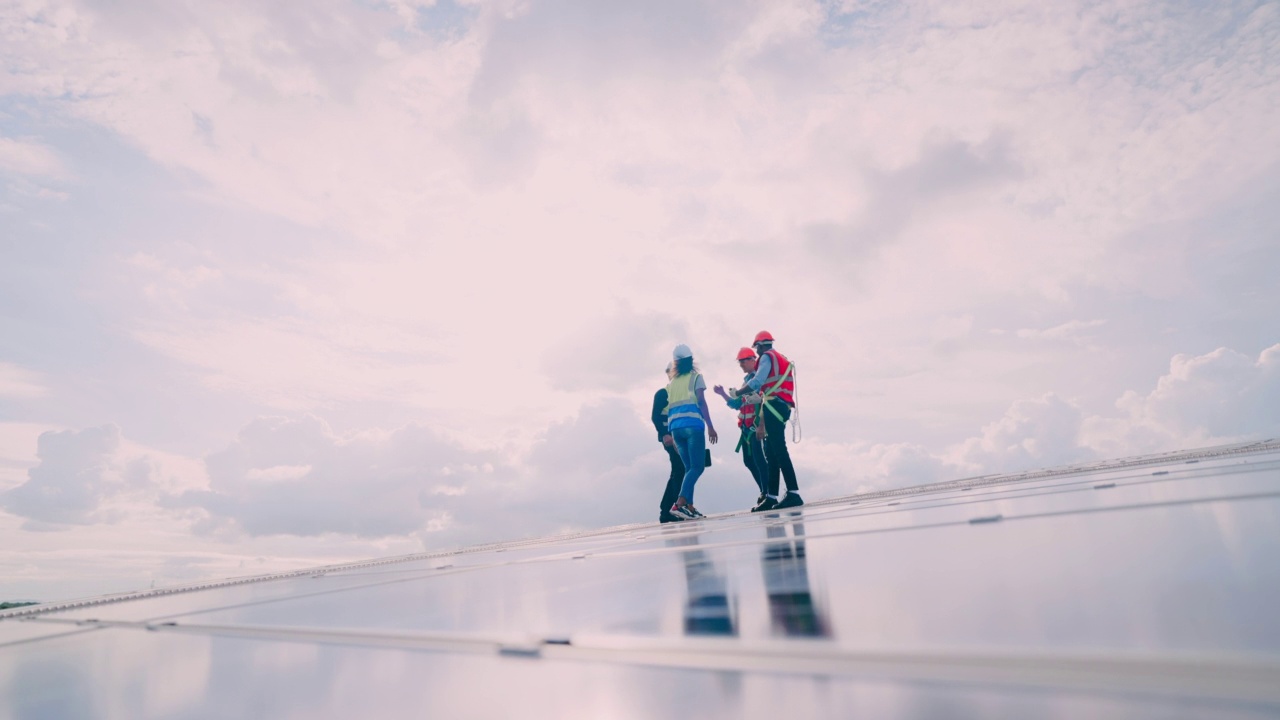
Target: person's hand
x=668, y=441
x=714, y=437
x=760, y=433
x=719, y=390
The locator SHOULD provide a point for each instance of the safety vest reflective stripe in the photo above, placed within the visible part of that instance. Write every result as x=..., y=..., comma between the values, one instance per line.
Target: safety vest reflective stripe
x=781, y=381
x=682, y=401
x=746, y=415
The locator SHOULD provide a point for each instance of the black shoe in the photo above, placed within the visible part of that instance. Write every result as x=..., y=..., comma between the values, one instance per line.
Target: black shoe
x=667, y=516
x=766, y=503
x=685, y=512
x=791, y=500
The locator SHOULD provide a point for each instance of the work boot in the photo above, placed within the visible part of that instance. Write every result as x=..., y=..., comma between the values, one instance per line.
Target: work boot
x=791, y=500
x=666, y=516
x=766, y=503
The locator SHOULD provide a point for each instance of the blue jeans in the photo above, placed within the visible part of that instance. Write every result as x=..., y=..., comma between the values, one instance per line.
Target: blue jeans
x=691, y=443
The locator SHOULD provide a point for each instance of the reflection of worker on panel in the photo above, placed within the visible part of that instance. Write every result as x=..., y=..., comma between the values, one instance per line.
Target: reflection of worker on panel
x=786, y=580
x=707, y=611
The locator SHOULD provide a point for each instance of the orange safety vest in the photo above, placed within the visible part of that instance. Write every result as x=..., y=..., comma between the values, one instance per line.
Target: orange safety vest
x=781, y=382
x=746, y=415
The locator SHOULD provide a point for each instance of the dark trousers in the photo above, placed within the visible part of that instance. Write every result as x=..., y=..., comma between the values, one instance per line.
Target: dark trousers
x=775, y=446
x=673, y=483
x=753, y=457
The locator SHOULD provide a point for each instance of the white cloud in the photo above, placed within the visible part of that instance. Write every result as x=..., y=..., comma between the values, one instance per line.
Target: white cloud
x=1069, y=329
x=279, y=472
x=19, y=382
x=414, y=487
x=495, y=220
x=1221, y=396
x=1034, y=433
x=30, y=157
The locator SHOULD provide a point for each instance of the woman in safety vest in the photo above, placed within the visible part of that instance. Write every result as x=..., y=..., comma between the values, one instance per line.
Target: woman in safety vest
x=749, y=445
x=689, y=425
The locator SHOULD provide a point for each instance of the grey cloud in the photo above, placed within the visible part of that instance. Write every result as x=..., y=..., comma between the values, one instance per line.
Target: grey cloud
x=295, y=476
x=944, y=170
x=603, y=436
x=335, y=42
x=606, y=467
x=593, y=44
x=502, y=144
x=615, y=353
x=564, y=47
x=75, y=474
x=203, y=129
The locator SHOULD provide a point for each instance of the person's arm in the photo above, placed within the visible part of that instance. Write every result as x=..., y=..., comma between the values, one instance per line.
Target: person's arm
x=658, y=416
x=763, y=368
x=706, y=415
x=733, y=403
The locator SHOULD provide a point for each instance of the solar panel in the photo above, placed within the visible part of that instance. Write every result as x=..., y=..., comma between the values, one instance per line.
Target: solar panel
x=1143, y=587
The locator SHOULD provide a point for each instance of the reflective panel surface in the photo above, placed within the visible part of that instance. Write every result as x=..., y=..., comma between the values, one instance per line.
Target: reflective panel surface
x=1141, y=588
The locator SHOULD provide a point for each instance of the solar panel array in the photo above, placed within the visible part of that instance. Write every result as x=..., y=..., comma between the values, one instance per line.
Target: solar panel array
x=1144, y=587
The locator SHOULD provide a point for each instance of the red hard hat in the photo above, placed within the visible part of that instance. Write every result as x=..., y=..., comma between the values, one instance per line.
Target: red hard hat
x=746, y=354
x=762, y=336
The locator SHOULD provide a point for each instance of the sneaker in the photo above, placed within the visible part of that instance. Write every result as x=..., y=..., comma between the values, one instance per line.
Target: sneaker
x=791, y=500
x=694, y=510
x=666, y=516
x=766, y=503
x=685, y=512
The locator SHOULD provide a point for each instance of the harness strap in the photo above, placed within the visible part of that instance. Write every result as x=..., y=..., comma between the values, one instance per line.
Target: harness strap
x=767, y=395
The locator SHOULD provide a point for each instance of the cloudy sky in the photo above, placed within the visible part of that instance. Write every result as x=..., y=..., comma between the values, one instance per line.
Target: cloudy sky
x=292, y=283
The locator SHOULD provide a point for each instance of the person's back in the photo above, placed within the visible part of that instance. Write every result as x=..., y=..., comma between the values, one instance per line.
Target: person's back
x=672, y=489
x=689, y=424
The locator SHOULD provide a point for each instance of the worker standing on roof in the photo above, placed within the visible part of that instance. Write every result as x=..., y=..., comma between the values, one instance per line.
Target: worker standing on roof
x=775, y=381
x=687, y=420
x=659, y=418
x=749, y=445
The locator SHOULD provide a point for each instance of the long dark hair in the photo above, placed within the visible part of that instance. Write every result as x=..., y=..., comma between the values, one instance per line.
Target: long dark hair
x=684, y=366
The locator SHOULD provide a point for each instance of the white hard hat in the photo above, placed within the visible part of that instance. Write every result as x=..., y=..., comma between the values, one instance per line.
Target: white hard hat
x=681, y=351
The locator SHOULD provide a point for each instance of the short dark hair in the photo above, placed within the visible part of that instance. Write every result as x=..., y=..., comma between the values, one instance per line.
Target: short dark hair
x=684, y=366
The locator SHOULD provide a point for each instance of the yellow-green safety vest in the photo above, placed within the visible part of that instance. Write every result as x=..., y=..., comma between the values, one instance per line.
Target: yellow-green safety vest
x=682, y=401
